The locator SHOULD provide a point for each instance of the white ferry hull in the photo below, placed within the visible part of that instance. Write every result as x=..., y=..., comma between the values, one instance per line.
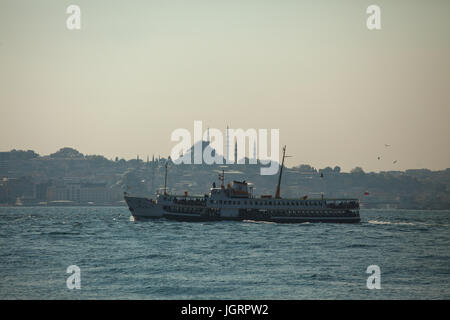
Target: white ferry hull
x=144, y=208
x=222, y=205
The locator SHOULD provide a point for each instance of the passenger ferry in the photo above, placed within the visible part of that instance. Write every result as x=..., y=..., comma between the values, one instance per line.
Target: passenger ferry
x=237, y=202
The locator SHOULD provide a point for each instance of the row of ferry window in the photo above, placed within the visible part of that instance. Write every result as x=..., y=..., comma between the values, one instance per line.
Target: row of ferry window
x=270, y=203
x=310, y=212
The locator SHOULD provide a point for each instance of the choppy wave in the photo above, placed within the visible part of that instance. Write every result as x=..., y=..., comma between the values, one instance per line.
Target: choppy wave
x=263, y=222
x=162, y=259
x=391, y=222
x=404, y=223
x=60, y=233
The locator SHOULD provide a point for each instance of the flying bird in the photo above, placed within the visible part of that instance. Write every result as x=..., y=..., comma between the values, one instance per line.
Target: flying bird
x=395, y=161
x=387, y=145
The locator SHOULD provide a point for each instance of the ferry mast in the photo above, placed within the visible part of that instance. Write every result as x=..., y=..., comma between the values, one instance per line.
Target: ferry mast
x=277, y=193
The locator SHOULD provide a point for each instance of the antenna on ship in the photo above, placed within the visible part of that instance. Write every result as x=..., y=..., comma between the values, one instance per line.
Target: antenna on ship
x=222, y=179
x=165, y=179
x=277, y=193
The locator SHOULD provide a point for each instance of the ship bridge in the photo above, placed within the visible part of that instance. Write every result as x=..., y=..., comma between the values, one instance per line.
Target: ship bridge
x=237, y=189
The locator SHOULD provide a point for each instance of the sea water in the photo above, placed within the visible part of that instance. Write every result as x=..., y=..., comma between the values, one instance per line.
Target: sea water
x=120, y=258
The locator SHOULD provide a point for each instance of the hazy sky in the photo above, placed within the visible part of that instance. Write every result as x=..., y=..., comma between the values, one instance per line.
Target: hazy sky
x=137, y=70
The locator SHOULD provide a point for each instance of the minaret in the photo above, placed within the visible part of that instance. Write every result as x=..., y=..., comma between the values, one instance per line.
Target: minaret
x=165, y=180
x=207, y=136
x=254, y=151
x=227, y=146
x=235, y=152
x=153, y=174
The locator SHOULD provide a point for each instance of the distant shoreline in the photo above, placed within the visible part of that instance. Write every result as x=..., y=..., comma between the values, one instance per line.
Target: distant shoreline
x=124, y=206
x=62, y=206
